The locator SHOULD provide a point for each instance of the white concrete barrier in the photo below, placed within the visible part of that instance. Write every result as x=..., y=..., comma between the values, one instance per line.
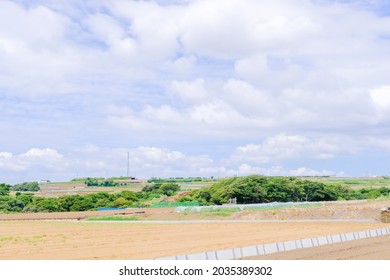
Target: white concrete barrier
x=290, y=245
x=280, y=246
x=336, y=238
x=299, y=244
x=362, y=235
x=225, y=254
x=307, y=243
x=270, y=248
x=260, y=250
x=315, y=242
x=372, y=233
x=199, y=256
x=249, y=251
x=322, y=240
x=212, y=255
x=350, y=236
x=265, y=249
x=237, y=253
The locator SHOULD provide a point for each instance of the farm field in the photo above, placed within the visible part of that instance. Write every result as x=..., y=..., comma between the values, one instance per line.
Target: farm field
x=163, y=232
x=47, y=240
x=72, y=188
x=354, y=182
x=57, y=189
x=360, y=209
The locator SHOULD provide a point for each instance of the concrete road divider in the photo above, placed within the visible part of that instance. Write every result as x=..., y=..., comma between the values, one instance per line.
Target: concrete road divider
x=271, y=248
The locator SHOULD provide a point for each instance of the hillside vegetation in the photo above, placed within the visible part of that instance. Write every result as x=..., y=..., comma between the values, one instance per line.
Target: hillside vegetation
x=261, y=189
x=27, y=202
x=250, y=189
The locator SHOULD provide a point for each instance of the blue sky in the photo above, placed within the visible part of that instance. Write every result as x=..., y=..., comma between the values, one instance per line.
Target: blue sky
x=193, y=88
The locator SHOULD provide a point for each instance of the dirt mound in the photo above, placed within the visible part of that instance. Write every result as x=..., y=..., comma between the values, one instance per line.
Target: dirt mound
x=385, y=215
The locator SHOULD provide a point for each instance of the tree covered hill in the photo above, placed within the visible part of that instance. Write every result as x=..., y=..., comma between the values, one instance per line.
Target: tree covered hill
x=249, y=189
x=261, y=189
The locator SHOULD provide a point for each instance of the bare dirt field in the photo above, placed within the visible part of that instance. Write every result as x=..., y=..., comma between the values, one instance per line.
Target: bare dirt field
x=72, y=188
x=46, y=240
x=163, y=232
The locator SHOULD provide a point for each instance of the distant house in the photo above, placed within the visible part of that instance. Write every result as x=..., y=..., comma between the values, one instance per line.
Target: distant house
x=43, y=181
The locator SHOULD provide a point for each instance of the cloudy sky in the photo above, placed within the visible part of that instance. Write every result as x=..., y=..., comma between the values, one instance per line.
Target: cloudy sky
x=194, y=88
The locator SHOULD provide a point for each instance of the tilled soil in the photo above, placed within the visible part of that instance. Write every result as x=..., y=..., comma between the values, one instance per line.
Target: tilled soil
x=60, y=240
x=34, y=236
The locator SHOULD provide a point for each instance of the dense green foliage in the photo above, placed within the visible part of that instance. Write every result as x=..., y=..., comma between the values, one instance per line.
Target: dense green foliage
x=260, y=189
x=179, y=180
x=4, y=189
x=250, y=189
x=27, y=202
x=26, y=187
x=167, y=189
x=97, y=182
x=83, y=179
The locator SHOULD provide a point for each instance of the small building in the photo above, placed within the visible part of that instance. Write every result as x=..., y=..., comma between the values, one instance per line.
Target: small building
x=43, y=181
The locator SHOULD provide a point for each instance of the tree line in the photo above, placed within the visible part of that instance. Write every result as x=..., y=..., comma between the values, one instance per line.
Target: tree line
x=27, y=202
x=261, y=189
x=249, y=189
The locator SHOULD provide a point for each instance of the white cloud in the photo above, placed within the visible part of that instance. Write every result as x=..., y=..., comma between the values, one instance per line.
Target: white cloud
x=159, y=155
x=5, y=155
x=183, y=66
x=245, y=169
x=33, y=160
x=193, y=92
x=381, y=97
x=235, y=29
x=303, y=171
x=8, y=162
x=283, y=147
x=155, y=27
x=47, y=154
x=248, y=100
x=249, y=83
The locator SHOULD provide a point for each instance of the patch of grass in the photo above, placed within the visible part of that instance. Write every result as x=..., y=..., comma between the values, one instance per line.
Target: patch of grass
x=227, y=211
x=224, y=212
x=382, y=198
x=32, y=240
x=113, y=218
x=6, y=238
x=356, y=183
x=277, y=207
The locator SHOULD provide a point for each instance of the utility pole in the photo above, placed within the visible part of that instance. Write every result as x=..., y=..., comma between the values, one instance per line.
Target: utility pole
x=128, y=164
